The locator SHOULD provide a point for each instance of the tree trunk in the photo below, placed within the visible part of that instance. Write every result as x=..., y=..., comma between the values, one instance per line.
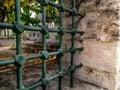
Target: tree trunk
x=5, y=33
x=0, y=32
x=2, y=15
x=8, y=34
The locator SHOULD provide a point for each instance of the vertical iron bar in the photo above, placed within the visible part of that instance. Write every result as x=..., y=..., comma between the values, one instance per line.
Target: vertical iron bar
x=17, y=11
x=61, y=46
x=18, y=26
x=72, y=45
x=19, y=68
x=44, y=44
x=60, y=67
x=18, y=44
x=72, y=62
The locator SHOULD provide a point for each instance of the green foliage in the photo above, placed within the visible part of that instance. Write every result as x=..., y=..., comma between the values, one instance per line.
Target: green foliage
x=2, y=11
x=7, y=9
x=52, y=12
x=57, y=37
x=48, y=36
x=23, y=45
x=13, y=47
x=28, y=7
x=13, y=36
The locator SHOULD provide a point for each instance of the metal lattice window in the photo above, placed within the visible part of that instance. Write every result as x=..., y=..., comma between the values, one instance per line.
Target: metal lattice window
x=19, y=60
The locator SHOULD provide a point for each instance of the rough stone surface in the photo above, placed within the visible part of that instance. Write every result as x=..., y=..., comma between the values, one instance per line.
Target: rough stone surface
x=86, y=86
x=98, y=78
x=100, y=58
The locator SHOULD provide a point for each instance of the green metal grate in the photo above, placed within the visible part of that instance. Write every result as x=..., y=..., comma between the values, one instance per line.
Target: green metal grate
x=19, y=60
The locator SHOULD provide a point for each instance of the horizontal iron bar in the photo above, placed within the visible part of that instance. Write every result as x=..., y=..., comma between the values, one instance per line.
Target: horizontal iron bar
x=12, y=61
x=53, y=77
x=54, y=30
x=66, y=9
x=7, y=62
x=76, y=49
x=35, y=56
x=78, y=66
x=26, y=27
x=5, y=25
x=33, y=86
x=79, y=48
x=64, y=72
x=34, y=28
x=69, y=70
x=39, y=83
x=67, y=51
x=80, y=32
x=80, y=14
x=66, y=31
x=53, y=53
x=69, y=10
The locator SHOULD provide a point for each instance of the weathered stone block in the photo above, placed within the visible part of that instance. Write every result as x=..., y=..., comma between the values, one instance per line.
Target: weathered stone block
x=101, y=41
x=85, y=86
x=98, y=78
x=99, y=55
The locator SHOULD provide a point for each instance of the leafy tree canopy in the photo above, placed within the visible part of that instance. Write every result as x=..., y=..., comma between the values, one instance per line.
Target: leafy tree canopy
x=28, y=8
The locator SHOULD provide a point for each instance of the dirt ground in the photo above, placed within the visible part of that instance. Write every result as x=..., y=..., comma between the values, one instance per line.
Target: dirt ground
x=6, y=42
x=30, y=75
x=33, y=73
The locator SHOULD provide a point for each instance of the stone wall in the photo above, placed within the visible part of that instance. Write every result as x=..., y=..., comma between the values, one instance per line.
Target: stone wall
x=100, y=58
